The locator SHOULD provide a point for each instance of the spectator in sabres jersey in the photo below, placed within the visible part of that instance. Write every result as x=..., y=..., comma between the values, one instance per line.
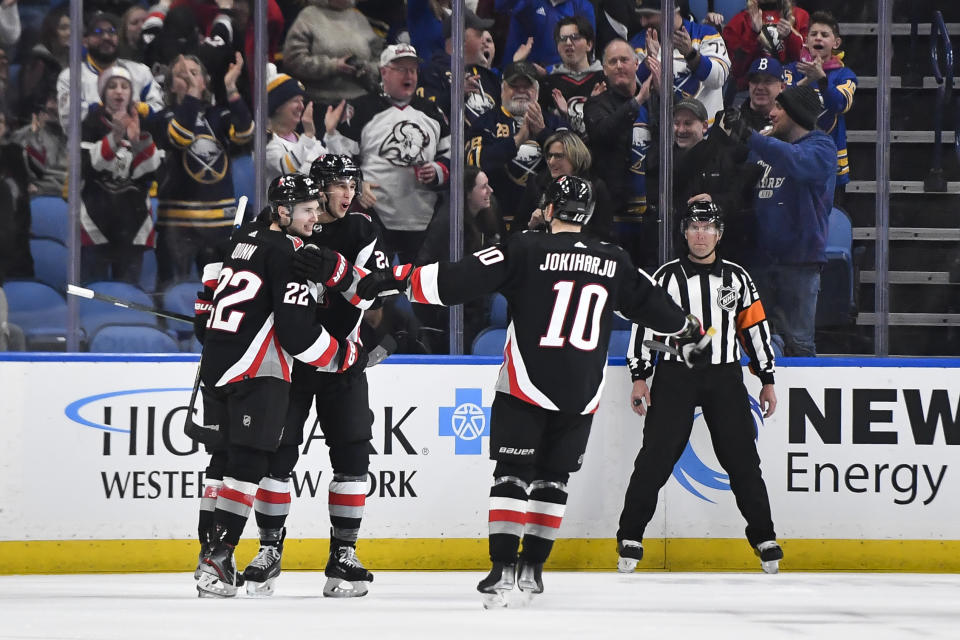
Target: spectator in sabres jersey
x=507, y=143
x=292, y=144
x=196, y=194
x=700, y=62
x=577, y=77
x=482, y=85
x=821, y=66
x=402, y=142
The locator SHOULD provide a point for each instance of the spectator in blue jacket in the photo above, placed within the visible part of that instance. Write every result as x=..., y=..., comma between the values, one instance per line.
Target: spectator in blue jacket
x=793, y=200
x=538, y=19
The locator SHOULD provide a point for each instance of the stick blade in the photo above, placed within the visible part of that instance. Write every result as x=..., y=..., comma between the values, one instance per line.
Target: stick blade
x=81, y=292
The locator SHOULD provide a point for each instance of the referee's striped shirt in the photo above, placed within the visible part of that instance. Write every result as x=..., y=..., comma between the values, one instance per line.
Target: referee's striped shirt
x=723, y=296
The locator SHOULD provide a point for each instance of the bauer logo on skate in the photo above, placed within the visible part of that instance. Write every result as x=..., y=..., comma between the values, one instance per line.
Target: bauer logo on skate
x=467, y=421
x=690, y=471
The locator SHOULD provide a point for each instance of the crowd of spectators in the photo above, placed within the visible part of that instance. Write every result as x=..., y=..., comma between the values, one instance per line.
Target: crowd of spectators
x=552, y=87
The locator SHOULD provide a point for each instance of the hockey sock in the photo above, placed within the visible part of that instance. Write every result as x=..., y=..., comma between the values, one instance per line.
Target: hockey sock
x=208, y=502
x=548, y=501
x=271, y=505
x=348, y=495
x=233, y=508
x=508, y=508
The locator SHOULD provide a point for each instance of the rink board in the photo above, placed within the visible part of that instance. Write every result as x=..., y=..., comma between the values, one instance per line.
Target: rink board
x=860, y=461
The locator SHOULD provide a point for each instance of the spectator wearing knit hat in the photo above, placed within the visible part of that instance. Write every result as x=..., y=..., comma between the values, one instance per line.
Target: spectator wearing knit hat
x=292, y=144
x=793, y=199
x=196, y=195
x=120, y=161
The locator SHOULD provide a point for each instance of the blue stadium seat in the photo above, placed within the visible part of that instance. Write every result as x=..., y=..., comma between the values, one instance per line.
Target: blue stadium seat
x=243, y=177
x=119, y=338
x=836, y=304
x=37, y=309
x=49, y=262
x=489, y=342
x=498, y=310
x=179, y=298
x=619, y=341
x=50, y=218
x=148, y=272
x=95, y=313
x=728, y=8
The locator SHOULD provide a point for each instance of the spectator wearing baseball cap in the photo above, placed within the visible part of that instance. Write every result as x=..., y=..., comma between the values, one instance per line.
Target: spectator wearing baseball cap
x=765, y=82
x=332, y=50
x=709, y=169
x=482, y=86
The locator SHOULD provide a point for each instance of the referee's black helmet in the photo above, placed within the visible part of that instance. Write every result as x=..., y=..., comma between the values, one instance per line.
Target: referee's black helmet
x=703, y=212
x=572, y=199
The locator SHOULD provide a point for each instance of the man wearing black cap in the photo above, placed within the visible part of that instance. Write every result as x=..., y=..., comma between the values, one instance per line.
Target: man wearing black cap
x=793, y=200
x=507, y=143
x=482, y=86
x=100, y=41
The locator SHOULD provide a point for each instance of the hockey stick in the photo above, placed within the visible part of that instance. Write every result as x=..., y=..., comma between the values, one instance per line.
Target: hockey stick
x=655, y=345
x=90, y=294
x=380, y=352
x=208, y=434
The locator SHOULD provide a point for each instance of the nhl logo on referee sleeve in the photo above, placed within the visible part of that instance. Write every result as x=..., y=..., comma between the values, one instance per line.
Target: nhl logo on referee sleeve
x=727, y=298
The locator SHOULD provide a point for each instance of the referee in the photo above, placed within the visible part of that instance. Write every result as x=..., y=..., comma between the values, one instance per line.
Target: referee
x=723, y=295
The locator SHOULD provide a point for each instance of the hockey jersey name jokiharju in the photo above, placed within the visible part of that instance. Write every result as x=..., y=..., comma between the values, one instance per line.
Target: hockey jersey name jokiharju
x=579, y=262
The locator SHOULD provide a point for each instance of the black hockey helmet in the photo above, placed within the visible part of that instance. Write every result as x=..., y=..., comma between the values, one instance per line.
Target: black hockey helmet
x=289, y=189
x=331, y=167
x=571, y=197
x=702, y=212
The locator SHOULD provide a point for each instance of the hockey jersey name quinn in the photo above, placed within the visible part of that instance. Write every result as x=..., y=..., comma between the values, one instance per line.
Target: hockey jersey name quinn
x=579, y=262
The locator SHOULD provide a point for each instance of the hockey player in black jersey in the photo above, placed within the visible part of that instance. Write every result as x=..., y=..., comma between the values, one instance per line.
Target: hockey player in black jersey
x=725, y=295
x=342, y=403
x=262, y=318
x=562, y=288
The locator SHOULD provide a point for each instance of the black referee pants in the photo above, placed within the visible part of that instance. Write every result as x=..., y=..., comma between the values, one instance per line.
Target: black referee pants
x=675, y=393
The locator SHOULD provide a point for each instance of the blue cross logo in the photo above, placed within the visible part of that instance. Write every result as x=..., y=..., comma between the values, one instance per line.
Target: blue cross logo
x=468, y=421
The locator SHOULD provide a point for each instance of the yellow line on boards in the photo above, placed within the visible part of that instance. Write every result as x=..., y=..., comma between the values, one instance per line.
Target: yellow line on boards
x=463, y=554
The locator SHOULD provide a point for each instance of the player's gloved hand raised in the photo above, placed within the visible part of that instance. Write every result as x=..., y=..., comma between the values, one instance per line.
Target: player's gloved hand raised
x=323, y=265
x=734, y=125
x=695, y=345
x=385, y=282
x=202, y=308
x=351, y=358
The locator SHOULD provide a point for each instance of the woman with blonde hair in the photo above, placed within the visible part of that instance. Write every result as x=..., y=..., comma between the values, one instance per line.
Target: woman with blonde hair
x=566, y=155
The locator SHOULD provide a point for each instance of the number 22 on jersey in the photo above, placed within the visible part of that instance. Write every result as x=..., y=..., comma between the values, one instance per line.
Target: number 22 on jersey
x=586, y=316
x=247, y=283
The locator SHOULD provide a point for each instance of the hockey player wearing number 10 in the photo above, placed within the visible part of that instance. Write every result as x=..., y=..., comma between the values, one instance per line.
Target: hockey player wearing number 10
x=262, y=318
x=562, y=288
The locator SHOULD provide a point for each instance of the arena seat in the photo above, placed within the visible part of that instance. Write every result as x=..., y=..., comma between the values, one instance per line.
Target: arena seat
x=179, y=298
x=489, y=342
x=121, y=338
x=49, y=218
x=50, y=262
x=40, y=311
x=95, y=313
x=835, y=303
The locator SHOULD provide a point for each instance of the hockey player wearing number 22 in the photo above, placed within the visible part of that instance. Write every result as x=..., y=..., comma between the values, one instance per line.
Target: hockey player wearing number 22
x=262, y=318
x=562, y=288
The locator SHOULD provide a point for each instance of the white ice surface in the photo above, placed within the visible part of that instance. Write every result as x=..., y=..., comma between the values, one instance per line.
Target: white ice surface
x=444, y=605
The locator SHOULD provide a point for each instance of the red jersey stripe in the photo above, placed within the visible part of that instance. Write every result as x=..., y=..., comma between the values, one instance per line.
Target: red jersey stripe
x=347, y=500
x=544, y=520
x=236, y=496
x=273, y=497
x=504, y=515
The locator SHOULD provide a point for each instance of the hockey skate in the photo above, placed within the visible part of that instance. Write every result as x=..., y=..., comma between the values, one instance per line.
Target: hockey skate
x=218, y=576
x=346, y=576
x=263, y=570
x=630, y=552
x=770, y=556
x=494, y=588
x=529, y=581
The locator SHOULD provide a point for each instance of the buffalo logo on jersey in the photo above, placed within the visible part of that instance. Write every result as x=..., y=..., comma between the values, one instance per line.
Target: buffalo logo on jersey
x=690, y=470
x=406, y=144
x=478, y=103
x=525, y=163
x=727, y=298
x=639, y=147
x=205, y=160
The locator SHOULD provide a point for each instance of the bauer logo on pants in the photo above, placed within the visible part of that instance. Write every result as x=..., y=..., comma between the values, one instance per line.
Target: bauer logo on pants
x=467, y=421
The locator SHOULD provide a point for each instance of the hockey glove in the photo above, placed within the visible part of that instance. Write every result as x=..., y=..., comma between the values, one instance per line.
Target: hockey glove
x=352, y=358
x=323, y=265
x=694, y=345
x=735, y=126
x=202, y=308
x=381, y=283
